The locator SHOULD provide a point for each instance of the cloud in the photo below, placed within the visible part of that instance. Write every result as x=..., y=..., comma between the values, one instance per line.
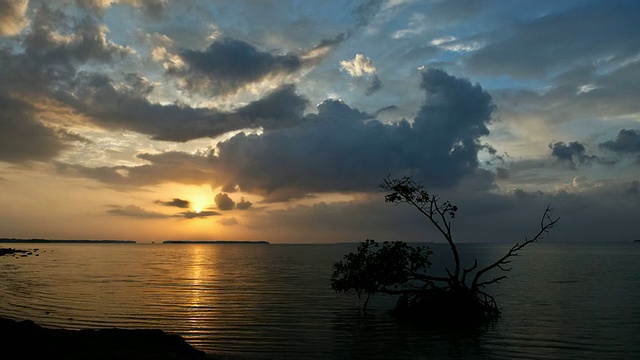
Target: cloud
x=124, y=106
x=243, y=204
x=59, y=39
x=634, y=188
x=135, y=211
x=561, y=41
x=613, y=95
x=198, y=215
x=46, y=58
x=502, y=173
x=522, y=194
x=416, y=26
x=375, y=85
x=573, y=153
x=228, y=221
x=229, y=65
x=22, y=136
x=337, y=149
x=95, y=5
x=367, y=11
x=13, y=16
x=179, y=203
x=154, y=9
x=343, y=149
x=627, y=141
x=178, y=167
x=458, y=9
x=362, y=66
x=483, y=217
x=71, y=136
x=224, y=202
x=358, y=66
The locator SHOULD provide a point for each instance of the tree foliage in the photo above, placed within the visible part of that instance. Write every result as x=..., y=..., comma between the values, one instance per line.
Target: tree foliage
x=389, y=269
x=397, y=268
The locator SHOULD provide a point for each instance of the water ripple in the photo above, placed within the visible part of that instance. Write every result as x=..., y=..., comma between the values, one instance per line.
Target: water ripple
x=257, y=301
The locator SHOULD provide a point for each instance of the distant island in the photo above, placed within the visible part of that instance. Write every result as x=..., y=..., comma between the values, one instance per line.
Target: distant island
x=49, y=241
x=212, y=242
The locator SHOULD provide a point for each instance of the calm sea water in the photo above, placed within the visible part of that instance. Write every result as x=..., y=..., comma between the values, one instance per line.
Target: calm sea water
x=275, y=301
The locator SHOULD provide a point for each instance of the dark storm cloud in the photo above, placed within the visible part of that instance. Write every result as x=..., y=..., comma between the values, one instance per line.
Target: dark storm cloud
x=339, y=148
x=574, y=153
x=280, y=108
x=342, y=149
x=48, y=55
x=59, y=39
x=224, y=202
x=179, y=203
x=227, y=65
x=45, y=59
x=578, y=36
x=627, y=141
x=116, y=106
x=22, y=136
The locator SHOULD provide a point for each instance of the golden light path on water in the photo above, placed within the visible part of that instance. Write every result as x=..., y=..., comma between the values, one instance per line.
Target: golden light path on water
x=275, y=300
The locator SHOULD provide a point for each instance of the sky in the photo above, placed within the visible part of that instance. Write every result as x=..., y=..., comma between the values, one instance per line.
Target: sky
x=155, y=120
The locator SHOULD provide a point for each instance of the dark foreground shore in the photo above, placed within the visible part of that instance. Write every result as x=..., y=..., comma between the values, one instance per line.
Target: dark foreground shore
x=27, y=340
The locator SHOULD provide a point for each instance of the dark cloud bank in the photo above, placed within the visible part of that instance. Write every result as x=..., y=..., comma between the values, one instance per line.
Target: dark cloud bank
x=339, y=148
x=50, y=61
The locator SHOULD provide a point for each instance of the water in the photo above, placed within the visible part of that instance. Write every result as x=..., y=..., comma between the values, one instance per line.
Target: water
x=275, y=301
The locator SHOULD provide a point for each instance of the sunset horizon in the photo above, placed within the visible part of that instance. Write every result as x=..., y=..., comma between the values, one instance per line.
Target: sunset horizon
x=152, y=120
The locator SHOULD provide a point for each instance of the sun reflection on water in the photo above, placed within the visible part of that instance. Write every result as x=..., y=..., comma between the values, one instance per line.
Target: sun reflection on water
x=200, y=274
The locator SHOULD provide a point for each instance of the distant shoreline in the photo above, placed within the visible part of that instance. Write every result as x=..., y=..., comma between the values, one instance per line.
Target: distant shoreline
x=213, y=242
x=48, y=241
x=54, y=241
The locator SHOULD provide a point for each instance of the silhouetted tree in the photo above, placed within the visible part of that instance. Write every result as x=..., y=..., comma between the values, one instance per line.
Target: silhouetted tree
x=372, y=269
x=399, y=269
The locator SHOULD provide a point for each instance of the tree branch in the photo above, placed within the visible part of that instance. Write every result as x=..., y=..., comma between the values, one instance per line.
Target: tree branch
x=546, y=223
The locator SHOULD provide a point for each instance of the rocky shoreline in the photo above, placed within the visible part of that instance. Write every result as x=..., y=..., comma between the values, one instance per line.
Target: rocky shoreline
x=17, y=252
x=27, y=340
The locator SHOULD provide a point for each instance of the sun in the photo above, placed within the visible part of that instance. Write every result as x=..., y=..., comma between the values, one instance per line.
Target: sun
x=197, y=198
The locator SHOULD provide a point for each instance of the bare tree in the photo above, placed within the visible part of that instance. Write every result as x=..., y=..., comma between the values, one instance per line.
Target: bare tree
x=421, y=292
